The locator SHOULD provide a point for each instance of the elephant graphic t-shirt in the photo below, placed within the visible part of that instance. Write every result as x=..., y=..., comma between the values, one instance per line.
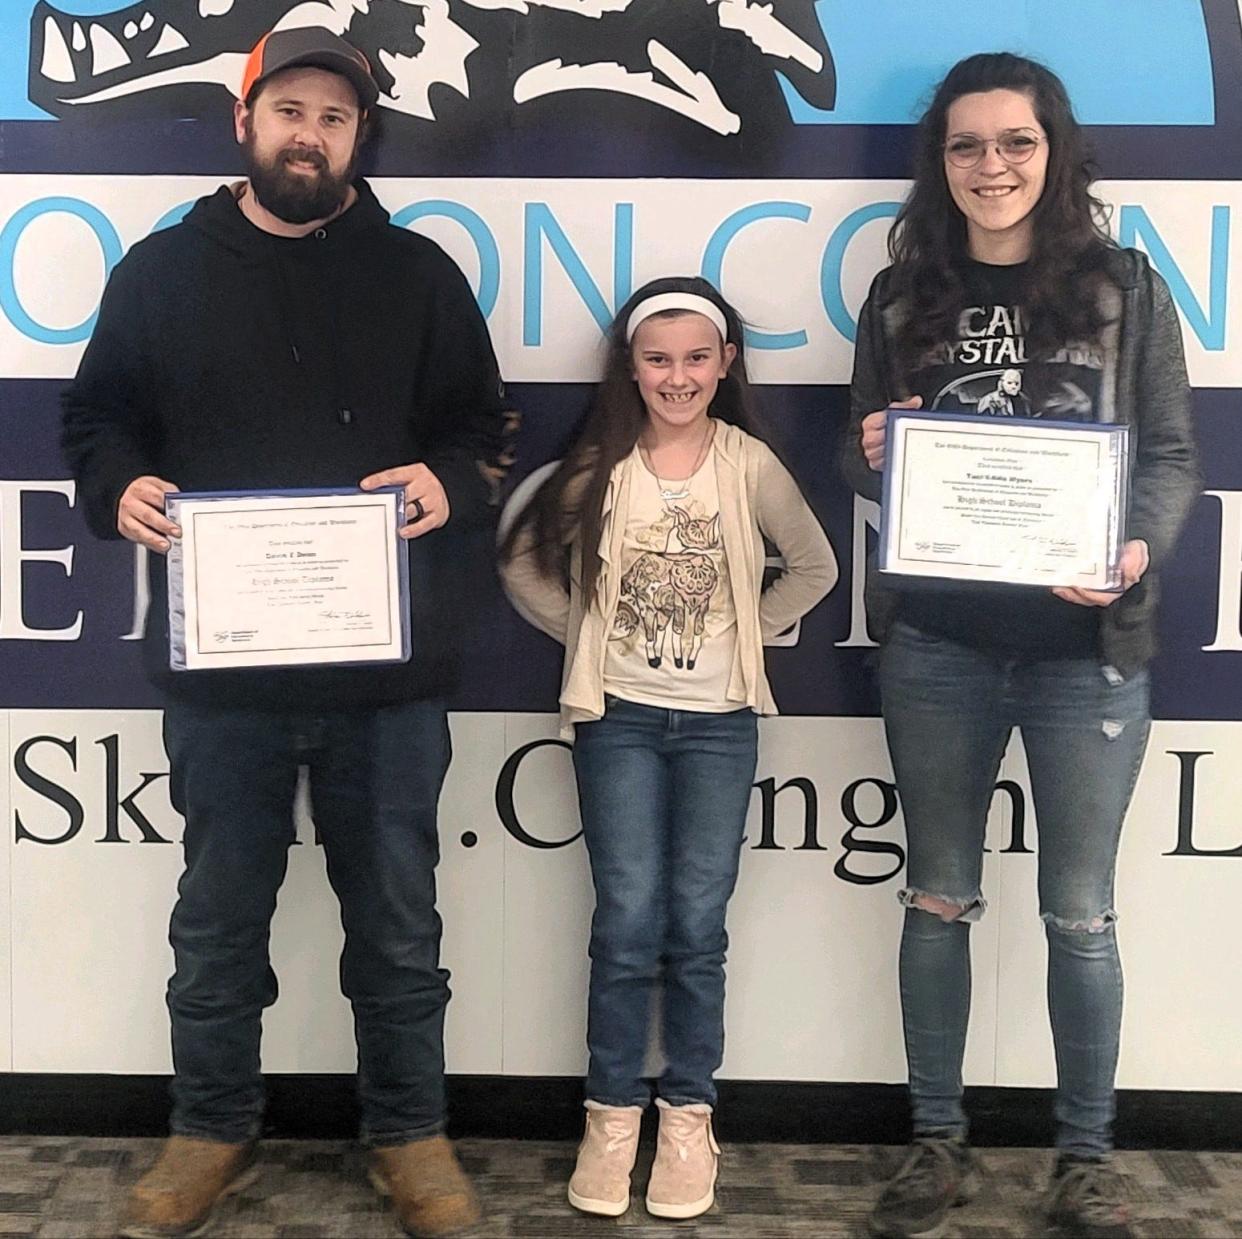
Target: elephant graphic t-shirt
x=674, y=631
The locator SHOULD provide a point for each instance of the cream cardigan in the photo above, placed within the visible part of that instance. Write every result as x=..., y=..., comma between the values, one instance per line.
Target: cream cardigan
x=757, y=497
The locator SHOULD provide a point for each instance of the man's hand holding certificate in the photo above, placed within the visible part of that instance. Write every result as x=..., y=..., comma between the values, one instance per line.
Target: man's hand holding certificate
x=1004, y=499
x=290, y=578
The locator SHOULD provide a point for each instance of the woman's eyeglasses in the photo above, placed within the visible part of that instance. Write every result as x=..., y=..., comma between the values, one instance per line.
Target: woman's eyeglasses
x=1013, y=146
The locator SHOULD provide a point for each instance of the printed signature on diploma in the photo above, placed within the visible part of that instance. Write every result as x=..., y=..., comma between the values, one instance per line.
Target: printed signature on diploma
x=346, y=615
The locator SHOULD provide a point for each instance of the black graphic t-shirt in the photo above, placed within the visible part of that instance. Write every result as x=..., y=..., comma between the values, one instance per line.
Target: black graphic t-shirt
x=986, y=370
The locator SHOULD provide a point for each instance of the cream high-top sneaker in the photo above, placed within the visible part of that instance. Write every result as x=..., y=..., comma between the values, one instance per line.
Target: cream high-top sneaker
x=601, y=1180
x=683, y=1176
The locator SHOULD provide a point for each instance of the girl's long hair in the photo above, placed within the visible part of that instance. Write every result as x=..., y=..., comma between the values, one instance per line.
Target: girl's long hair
x=1071, y=245
x=567, y=508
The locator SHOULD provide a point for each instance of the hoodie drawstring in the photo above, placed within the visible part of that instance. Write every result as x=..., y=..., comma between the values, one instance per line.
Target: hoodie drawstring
x=285, y=299
x=344, y=415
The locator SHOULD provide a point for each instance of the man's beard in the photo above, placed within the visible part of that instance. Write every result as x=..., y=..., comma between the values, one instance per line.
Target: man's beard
x=296, y=197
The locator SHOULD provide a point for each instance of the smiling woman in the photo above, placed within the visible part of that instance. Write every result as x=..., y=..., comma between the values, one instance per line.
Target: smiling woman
x=996, y=161
x=1008, y=298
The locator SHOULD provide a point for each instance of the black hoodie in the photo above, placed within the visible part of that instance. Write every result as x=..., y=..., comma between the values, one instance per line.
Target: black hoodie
x=226, y=358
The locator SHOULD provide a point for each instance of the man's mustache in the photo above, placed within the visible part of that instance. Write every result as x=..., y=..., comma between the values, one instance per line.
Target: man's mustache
x=302, y=154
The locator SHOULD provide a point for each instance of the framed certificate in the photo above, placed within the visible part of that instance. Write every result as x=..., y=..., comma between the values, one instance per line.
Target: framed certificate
x=1017, y=500
x=287, y=578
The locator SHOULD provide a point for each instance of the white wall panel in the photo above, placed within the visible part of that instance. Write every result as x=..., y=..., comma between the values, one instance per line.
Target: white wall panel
x=91, y=956
x=6, y=910
x=90, y=919
x=1183, y=1007
x=812, y=954
x=812, y=976
x=547, y=912
x=471, y=895
x=541, y=326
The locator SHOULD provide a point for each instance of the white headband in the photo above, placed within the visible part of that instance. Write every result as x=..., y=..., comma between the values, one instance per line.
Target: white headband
x=676, y=301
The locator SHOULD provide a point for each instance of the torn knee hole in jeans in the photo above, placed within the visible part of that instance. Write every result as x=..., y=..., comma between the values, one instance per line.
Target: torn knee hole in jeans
x=943, y=906
x=1096, y=924
x=1112, y=728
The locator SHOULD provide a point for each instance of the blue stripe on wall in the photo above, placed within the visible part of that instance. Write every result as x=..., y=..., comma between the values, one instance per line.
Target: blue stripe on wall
x=1133, y=62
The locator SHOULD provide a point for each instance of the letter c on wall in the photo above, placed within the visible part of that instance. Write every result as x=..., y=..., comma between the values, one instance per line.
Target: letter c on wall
x=722, y=238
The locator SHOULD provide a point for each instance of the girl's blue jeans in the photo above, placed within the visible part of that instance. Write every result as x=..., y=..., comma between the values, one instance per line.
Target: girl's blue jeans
x=663, y=795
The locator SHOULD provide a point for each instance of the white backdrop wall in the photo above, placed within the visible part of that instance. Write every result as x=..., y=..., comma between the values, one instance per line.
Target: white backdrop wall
x=555, y=215
x=812, y=979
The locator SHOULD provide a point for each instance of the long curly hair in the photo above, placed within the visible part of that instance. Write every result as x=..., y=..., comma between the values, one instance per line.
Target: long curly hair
x=568, y=507
x=1071, y=245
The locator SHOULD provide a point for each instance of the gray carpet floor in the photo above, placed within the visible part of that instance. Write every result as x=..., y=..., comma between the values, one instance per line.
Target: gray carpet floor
x=74, y=1189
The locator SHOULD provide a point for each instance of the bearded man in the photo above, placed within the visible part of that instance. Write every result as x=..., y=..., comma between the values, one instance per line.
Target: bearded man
x=286, y=335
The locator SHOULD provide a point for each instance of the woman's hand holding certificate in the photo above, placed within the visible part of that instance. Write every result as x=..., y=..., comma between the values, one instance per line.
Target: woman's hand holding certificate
x=875, y=431
x=1135, y=559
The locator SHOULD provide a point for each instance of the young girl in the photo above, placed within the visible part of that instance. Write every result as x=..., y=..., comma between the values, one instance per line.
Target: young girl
x=644, y=555
x=1006, y=297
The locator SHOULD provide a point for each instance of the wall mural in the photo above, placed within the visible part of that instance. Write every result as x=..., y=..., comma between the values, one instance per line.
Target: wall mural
x=564, y=151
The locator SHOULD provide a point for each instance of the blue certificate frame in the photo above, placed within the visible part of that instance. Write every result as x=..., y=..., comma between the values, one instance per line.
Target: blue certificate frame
x=298, y=577
x=1016, y=500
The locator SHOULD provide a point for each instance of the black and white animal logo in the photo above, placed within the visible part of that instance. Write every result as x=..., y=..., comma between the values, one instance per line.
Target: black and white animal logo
x=713, y=62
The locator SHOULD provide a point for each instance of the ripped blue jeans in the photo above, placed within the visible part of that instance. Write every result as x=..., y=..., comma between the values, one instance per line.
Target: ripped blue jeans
x=948, y=713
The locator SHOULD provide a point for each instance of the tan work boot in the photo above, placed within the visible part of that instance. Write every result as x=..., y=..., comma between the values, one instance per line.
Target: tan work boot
x=600, y=1182
x=178, y=1196
x=683, y=1175
x=430, y=1193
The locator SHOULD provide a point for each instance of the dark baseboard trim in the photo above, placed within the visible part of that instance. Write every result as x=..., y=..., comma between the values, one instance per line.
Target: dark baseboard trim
x=550, y=1108
x=528, y=1108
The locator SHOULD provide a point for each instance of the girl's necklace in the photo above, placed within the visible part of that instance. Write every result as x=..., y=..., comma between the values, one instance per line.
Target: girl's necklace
x=670, y=491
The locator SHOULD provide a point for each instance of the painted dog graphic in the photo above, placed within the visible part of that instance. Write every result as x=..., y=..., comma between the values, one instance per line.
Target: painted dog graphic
x=713, y=62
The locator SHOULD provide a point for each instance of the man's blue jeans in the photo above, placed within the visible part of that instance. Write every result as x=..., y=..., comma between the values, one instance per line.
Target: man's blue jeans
x=948, y=713
x=663, y=795
x=375, y=778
